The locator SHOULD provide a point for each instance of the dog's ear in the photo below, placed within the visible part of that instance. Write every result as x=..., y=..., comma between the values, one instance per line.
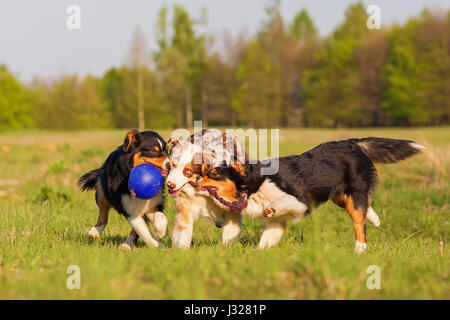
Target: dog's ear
x=171, y=143
x=238, y=167
x=206, y=164
x=132, y=138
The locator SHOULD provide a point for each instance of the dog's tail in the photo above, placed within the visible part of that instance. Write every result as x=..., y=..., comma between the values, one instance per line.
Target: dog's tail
x=88, y=180
x=385, y=150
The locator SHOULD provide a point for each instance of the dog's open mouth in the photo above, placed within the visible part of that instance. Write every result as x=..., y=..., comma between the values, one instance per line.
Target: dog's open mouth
x=173, y=192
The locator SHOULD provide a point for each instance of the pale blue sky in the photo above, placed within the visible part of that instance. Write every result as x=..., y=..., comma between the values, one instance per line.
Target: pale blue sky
x=34, y=39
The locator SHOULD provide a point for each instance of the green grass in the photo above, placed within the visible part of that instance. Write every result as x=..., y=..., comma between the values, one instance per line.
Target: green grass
x=44, y=220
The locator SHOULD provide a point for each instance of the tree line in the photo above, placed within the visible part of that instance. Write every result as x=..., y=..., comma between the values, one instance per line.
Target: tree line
x=285, y=76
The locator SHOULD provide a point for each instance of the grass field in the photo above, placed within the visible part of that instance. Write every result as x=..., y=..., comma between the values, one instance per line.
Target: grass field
x=44, y=222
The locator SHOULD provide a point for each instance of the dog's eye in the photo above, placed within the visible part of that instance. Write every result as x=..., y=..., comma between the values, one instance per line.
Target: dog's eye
x=187, y=172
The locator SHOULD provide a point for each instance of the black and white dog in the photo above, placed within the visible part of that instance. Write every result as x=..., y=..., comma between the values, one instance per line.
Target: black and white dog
x=111, y=184
x=341, y=171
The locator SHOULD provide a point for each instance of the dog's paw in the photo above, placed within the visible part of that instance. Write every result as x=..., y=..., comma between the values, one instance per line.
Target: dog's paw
x=163, y=247
x=269, y=212
x=125, y=247
x=360, y=248
x=219, y=223
x=162, y=233
x=161, y=225
x=93, y=233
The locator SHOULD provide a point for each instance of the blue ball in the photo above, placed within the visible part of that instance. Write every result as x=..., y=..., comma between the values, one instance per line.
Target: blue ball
x=145, y=181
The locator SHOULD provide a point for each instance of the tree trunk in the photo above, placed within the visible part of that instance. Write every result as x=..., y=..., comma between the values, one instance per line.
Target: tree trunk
x=140, y=99
x=233, y=120
x=204, y=108
x=189, y=120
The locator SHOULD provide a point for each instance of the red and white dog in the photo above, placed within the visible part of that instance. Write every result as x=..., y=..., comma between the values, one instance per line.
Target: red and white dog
x=189, y=161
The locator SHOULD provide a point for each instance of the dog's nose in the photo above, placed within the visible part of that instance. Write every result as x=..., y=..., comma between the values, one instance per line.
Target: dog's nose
x=171, y=185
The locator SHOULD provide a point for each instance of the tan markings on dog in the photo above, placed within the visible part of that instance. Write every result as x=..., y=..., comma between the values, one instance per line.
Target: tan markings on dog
x=171, y=143
x=131, y=137
x=225, y=189
x=183, y=212
x=359, y=219
x=224, y=139
x=138, y=159
x=339, y=200
x=103, y=207
x=204, y=168
x=200, y=169
x=180, y=228
x=364, y=145
x=192, y=168
x=239, y=168
x=156, y=148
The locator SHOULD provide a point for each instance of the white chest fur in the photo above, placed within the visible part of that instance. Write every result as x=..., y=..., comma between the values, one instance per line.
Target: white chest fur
x=138, y=207
x=199, y=204
x=266, y=194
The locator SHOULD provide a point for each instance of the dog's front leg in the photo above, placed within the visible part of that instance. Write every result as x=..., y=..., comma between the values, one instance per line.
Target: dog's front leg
x=160, y=223
x=273, y=231
x=130, y=241
x=232, y=228
x=183, y=228
x=139, y=225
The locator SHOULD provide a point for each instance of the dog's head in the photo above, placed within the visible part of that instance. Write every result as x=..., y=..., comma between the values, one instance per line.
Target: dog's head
x=191, y=160
x=226, y=181
x=146, y=147
x=187, y=165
